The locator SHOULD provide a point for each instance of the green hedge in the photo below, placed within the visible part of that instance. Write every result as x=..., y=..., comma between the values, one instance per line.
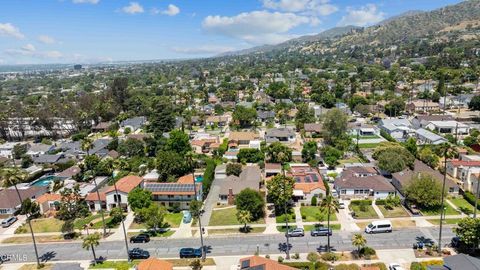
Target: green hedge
x=469, y=197
x=361, y=202
x=380, y=202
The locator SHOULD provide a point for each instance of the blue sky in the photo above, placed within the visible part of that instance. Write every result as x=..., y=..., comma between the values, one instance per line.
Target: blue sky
x=89, y=31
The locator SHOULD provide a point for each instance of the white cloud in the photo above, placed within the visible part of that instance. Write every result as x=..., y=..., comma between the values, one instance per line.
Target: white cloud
x=46, y=39
x=365, y=15
x=256, y=27
x=94, y=2
x=172, y=10
x=133, y=8
x=206, y=49
x=2, y=61
x=29, y=48
x=8, y=29
x=313, y=7
x=30, y=51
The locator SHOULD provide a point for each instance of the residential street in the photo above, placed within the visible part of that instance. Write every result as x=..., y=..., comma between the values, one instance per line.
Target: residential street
x=226, y=245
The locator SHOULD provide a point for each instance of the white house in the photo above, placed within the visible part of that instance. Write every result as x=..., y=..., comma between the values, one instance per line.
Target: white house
x=424, y=136
x=449, y=127
x=399, y=129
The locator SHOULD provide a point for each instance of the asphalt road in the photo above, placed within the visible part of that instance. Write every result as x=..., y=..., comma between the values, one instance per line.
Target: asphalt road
x=223, y=245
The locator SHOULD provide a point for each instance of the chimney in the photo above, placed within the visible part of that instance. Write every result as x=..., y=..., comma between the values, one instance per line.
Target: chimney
x=230, y=198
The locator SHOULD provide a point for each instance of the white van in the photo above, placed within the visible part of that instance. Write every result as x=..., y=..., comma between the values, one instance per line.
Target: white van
x=379, y=226
x=8, y=221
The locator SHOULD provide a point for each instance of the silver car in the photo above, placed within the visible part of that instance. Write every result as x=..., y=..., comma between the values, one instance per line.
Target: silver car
x=298, y=232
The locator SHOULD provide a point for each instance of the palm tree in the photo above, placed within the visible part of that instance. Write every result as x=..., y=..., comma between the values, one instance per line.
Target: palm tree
x=91, y=241
x=331, y=205
x=11, y=177
x=91, y=175
x=358, y=241
x=244, y=217
x=86, y=145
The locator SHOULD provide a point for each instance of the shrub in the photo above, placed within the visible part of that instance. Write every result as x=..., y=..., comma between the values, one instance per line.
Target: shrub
x=313, y=257
x=329, y=256
x=361, y=202
x=347, y=267
x=380, y=202
x=314, y=201
x=267, y=256
x=469, y=197
x=367, y=251
x=280, y=259
x=296, y=256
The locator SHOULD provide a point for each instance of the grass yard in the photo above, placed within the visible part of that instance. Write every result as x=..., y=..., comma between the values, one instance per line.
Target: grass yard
x=334, y=227
x=448, y=221
x=395, y=223
x=158, y=235
x=368, y=212
x=227, y=216
x=397, y=211
x=174, y=219
x=38, y=239
x=124, y=265
x=436, y=212
x=463, y=205
x=42, y=225
x=367, y=145
x=79, y=223
x=281, y=218
x=108, y=223
x=313, y=213
x=236, y=231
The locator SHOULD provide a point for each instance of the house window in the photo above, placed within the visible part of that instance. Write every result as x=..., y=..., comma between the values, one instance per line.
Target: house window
x=3, y=211
x=343, y=191
x=117, y=198
x=171, y=196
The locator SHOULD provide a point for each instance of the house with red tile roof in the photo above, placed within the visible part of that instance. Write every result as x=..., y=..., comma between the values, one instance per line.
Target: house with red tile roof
x=124, y=186
x=308, y=182
x=154, y=264
x=179, y=193
x=49, y=203
x=261, y=263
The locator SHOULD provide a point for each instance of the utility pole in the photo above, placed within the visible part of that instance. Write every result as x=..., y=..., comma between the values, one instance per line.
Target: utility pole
x=123, y=223
x=443, y=198
x=476, y=199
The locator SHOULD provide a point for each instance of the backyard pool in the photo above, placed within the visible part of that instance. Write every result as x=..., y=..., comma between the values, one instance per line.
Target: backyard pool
x=199, y=178
x=44, y=181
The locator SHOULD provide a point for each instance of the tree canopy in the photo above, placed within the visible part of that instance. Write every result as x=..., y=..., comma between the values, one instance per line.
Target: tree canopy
x=424, y=190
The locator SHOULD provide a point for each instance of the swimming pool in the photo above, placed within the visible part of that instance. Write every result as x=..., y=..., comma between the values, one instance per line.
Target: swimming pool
x=199, y=178
x=44, y=181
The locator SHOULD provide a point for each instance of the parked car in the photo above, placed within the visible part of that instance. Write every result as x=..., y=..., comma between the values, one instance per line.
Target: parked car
x=298, y=232
x=138, y=253
x=379, y=226
x=321, y=231
x=395, y=266
x=341, y=205
x=9, y=221
x=141, y=238
x=412, y=208
x=187, y=217
x=190, y=253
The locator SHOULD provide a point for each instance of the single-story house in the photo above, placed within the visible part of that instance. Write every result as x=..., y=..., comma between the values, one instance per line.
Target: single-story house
x=220, y=121
x=280, y=135
x=134, y=123
x=308, y=182
x=6, y=149
x=49, y=202
x=241, y=138
x=312, y=130
x=399, y=129
x=250, y=177
x=266, y=116
x=272, y=169
x=359, y=182
x=449, y=127
x=260, y=263
x=37, y=149
x=153, y=263
x=424, y=136
x=9, y=201
x=102, y=127
x=48, y=159
x=457, y=262
x=421, y=121
x=402, y=178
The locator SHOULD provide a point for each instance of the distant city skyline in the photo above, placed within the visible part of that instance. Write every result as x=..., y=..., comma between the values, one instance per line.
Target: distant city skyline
x=92, y=31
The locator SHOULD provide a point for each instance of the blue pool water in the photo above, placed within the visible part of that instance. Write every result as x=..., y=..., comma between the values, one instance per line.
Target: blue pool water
x=44, y=181
x=199, y=178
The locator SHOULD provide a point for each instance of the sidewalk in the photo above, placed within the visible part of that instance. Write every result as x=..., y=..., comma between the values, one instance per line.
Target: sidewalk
x=377, y=210
x=270, y=221
x=118, y=234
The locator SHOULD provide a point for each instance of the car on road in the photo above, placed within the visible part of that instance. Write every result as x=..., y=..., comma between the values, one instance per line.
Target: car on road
x=190, y=253
x=379, y=226
x=138, y=253
x=395, y=266
x=298, y=232
x=9, y=221
x=321, y=231
x=141, y=238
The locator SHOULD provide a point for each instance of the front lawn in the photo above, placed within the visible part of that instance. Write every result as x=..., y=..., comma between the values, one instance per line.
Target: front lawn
x=281, y=218
x=350, y=160
x=79, y=223
x=124, y=265
x=448, y=221
x=334, y=227
x=42, y=225
x=236, y=231
x=436, y=212
x=367, y=145
x=313, y=213
x=227, y=216
x=173, y=219
x=397, y=211
x=363, y=212
x=463, y=205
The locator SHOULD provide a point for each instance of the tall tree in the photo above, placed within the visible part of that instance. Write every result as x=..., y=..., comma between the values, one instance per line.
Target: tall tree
x=358, y=241
x=11, y=177
x=252, y=201
x=280, y=191
x=119, y=90
x=331, y=206
x=278, y=153
x=244, y=217
x=90, y=242
x=334, y=126
x=424, y=190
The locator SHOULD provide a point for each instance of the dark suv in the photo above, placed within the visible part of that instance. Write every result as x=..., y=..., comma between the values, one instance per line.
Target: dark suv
x=321, y=231
x=138, y=253
x=141, y=238
x=190, y=253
